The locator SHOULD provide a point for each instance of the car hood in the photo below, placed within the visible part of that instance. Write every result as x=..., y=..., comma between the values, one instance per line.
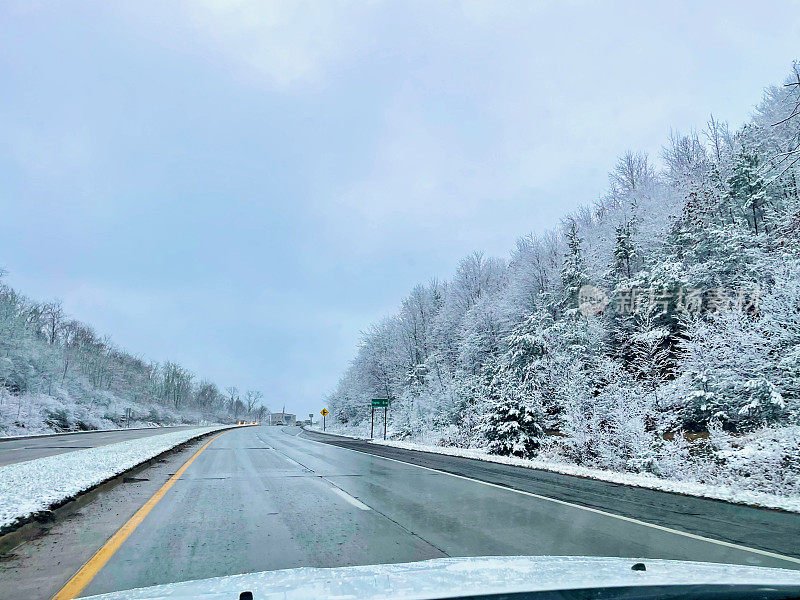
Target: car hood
x=453, y=577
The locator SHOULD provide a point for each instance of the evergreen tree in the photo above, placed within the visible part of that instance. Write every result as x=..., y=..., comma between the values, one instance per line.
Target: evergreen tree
x=530, y=365
x=624, y=250
x=748, y=189
x=512, y=428
x=573, y=271
x=720, y=202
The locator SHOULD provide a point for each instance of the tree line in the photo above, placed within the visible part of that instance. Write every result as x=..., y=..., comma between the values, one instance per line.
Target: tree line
x=58, y=373
x=649, y=332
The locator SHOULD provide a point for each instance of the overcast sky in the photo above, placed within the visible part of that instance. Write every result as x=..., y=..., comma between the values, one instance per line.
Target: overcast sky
x=244, y=187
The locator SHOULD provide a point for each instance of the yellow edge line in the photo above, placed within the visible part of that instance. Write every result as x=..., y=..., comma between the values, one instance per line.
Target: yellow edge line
x=88, y=572
x=693, y=536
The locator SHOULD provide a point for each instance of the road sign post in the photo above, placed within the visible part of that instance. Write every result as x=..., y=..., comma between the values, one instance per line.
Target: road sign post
x=324, y=413
x=379, y=403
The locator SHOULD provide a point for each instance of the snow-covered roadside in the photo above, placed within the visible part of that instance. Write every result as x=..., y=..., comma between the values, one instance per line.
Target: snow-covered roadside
x=716, y=492
x=34, y=486
x=343, y=435
x=59, y=433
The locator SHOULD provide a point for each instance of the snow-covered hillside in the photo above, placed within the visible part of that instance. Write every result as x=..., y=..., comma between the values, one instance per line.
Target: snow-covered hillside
x=57, y=374
x=657, y=331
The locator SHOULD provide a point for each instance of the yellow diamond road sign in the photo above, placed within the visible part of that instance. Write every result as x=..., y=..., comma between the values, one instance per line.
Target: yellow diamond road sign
x=324, y=412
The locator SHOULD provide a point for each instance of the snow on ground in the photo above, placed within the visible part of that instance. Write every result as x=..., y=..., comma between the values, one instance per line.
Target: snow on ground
x=60, y=433
x=36, y=485
x=728, y=493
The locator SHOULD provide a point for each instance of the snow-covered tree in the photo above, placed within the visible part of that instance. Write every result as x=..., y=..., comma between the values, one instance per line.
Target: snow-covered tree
x=573, y=271
x=511, y=428
x=624, y=249
x=748, y=190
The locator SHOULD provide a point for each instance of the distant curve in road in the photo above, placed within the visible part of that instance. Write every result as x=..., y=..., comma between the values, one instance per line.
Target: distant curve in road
x=21, y=449
x=264, y=498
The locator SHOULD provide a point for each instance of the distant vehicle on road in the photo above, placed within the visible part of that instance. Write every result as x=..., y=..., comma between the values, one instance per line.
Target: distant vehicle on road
x=282, y=418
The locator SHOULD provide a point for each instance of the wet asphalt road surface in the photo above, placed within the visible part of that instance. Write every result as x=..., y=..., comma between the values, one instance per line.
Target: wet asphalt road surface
x=770, y=530
x=266, y=498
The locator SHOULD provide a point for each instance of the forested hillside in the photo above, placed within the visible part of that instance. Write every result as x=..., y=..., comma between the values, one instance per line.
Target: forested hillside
x=655, y=331
x=57, y=374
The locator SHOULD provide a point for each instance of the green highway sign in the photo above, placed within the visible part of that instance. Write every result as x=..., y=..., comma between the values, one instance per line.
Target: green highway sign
x=379, y=403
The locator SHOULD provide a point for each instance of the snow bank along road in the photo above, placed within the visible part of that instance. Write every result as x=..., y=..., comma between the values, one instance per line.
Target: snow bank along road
x=265, y=498
x=30, y=487
x=21, y=449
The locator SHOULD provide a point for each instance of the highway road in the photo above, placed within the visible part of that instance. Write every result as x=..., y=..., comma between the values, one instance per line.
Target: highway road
x=27, y=448
x=265, y=498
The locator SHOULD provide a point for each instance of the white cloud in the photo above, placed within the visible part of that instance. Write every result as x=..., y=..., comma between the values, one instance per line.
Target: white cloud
x=501, y=114
x=285, y=44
